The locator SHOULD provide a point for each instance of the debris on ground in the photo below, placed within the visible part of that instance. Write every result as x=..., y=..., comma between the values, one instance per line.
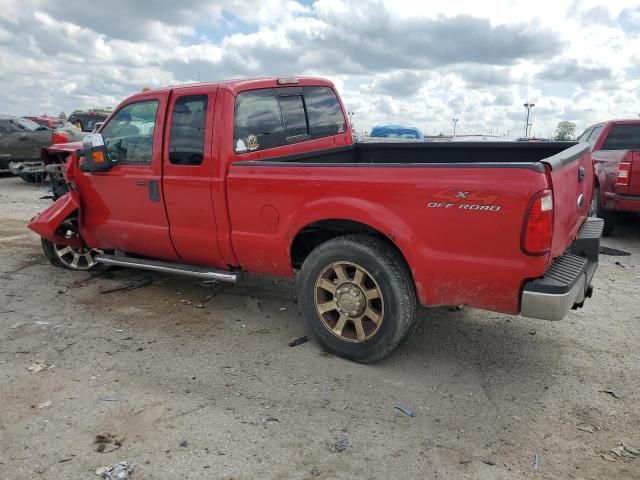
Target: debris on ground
x=46, y=404
x=455, y=308
x=620, y=265
x=585, y=428
x=129, y=285
x=489, y=462
x=536, y=462
x=40, y=322
x=298, y=341
x=315, y=471
x=610, y=392
x=632, y=450
x=270, y=419
x=282, y=309
x=608, y=457
x=614, y=252
x=532, y=332
x=184, y=444
x=39, y=365
x=253, y=305
x=407, y=411
x=339, y=445
x=106, y=442
x=119, y=471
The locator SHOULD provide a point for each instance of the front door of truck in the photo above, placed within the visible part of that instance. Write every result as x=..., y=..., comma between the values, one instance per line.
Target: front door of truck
x=187, y=175
x=123, y=208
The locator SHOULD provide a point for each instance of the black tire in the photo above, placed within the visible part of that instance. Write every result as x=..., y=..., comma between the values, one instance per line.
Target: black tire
x=385, y=267
x=50, y=253
x=597, y=210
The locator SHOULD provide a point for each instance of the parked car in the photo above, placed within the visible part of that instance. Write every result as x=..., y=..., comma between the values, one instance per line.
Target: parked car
x=32, y=170
x=21, y=140
x=396, y=132
x=212, y=180
x=615, y=149
x=86, y=121
x=48, y=122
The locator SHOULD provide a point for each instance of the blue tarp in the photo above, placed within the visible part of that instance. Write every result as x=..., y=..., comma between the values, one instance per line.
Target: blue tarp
x=396, y=131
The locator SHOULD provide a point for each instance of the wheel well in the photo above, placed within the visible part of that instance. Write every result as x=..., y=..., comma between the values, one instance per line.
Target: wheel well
x=319, y=232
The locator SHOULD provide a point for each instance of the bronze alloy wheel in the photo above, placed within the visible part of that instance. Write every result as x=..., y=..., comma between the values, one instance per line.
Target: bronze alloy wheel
x=349, y=302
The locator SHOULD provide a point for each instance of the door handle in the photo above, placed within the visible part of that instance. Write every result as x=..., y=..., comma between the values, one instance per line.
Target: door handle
x=141, y=184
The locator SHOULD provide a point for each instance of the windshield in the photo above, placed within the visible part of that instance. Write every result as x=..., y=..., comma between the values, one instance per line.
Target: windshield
x=26, y=124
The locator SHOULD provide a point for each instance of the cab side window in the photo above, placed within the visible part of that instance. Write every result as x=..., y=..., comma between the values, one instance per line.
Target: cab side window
x=274, y=117
x=258, y=122
x=594, y=136
x=324, y=112
x=584, y=136
x=186, y=144
x=129, y=134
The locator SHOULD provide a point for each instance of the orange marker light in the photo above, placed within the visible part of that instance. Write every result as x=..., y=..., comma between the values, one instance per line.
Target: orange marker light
x=98, y=157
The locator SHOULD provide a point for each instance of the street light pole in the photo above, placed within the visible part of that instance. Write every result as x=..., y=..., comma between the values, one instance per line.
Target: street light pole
x=455, y=123
x=528, y=106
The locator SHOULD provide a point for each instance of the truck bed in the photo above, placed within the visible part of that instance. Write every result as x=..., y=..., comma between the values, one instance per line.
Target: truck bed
x=383, y=153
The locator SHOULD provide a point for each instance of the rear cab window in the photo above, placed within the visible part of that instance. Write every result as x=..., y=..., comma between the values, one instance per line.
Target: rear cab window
x=275, y=117
x=623, y=137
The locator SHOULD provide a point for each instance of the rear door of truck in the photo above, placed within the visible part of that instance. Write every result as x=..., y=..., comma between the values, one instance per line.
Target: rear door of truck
x=571, y=177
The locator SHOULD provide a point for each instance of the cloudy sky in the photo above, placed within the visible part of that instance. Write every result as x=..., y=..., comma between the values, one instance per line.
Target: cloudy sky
x=398, y=61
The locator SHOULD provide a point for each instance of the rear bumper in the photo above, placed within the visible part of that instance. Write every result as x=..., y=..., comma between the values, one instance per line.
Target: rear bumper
x=627, y=203
x=567, y=283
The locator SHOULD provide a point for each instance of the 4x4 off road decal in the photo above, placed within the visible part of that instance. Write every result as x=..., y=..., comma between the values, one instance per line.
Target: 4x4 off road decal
x=481, y=201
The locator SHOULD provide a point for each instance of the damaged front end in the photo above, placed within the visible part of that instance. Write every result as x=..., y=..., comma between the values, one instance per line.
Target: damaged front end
x=49, y=223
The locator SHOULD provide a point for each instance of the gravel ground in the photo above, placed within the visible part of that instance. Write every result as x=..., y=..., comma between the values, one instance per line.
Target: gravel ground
x=216, y=392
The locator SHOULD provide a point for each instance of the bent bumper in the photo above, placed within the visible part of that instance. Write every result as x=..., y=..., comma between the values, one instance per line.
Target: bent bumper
x=567, y=283
x=18, y=168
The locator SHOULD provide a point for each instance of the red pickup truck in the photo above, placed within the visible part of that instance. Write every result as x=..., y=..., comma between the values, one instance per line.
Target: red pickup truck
x=615, y=149
x=211, y=180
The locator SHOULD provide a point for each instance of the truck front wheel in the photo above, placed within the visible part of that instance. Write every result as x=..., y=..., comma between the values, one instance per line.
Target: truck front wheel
x=73, y=258
x=358, y=297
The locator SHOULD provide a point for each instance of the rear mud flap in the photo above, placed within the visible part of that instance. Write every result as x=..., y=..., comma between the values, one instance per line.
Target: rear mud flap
x=47, y=222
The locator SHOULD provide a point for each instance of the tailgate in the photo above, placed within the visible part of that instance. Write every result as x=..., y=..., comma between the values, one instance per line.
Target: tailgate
x=634, y=179
x=571, y=176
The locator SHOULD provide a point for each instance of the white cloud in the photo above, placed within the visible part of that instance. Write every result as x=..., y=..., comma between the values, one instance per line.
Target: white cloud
x=399, y=61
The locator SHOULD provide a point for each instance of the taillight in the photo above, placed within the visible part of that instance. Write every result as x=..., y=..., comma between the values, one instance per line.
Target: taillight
x=623, y=174
x=60, y=137
x=538, y=226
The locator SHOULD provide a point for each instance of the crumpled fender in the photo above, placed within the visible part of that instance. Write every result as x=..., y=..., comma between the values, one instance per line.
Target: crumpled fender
x=46, y=223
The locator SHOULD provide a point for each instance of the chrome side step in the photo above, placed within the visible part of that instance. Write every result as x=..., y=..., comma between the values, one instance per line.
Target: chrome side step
x=168, y=267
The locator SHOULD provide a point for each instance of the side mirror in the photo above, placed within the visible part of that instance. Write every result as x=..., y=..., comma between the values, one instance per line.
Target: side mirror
x=95, y=154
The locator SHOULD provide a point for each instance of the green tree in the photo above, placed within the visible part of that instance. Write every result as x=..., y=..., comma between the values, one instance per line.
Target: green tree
x=565, y=131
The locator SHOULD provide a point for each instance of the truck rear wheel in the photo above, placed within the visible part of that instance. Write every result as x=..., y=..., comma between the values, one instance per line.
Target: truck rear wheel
x=597, y=210
x=358, y=297
x=73, y=258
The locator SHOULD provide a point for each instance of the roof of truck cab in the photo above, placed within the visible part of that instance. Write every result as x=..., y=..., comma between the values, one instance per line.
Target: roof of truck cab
x=240, y=84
